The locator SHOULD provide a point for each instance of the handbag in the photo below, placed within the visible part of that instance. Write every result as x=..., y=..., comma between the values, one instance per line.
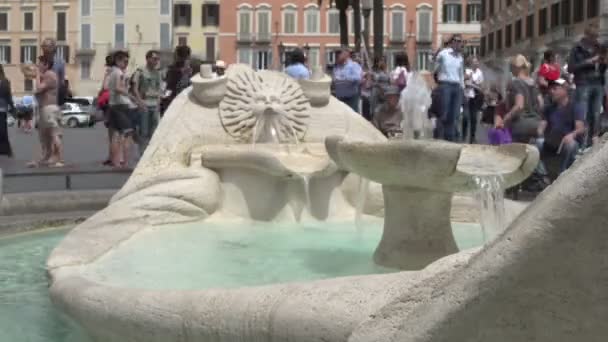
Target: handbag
x=499, y=136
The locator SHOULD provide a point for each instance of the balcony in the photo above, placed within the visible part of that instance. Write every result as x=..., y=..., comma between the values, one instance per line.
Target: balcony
x=263, y=37
x=424, y=38
x=244, y=37
x=398, y=37
x=85, y=52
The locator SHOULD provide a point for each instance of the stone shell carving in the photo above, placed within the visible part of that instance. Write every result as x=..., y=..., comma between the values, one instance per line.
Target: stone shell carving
x=264, y=107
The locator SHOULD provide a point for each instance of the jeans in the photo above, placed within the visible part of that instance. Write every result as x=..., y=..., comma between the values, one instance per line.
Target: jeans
x=469, y=119
x=366, y=111
x=352, y=102
x=451, y=101
x=564, y=159
x=591, y=96
x=147, y=125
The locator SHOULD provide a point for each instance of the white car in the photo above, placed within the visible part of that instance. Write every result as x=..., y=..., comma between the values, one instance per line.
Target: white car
x=10, y=121
x=76, y=116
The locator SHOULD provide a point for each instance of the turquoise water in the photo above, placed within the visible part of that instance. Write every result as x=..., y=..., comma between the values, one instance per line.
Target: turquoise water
x=26, y=312
x=196, y=256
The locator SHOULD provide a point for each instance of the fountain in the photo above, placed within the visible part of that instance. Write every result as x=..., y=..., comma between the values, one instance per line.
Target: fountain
x=259, y=152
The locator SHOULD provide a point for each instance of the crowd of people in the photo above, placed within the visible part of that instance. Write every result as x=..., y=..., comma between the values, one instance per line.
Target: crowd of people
x=558, y=108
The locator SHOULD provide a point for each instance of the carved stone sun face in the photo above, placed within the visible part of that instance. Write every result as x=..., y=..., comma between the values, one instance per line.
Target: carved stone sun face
x=264, y=107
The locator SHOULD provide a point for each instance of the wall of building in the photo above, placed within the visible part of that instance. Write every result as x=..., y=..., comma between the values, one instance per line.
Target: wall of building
x=142, y=21
x=256, y=47
x=14, y=36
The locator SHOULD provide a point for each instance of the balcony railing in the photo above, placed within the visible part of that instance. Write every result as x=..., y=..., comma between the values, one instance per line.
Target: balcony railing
x=244, y=37
x=398, y=37
x=263, y=37
x=424, y=38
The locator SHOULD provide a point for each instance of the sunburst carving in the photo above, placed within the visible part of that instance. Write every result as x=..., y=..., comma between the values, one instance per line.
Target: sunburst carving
x=264, y=107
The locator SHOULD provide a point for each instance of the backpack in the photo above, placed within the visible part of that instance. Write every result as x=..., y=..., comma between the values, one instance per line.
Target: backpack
x=401, y=81
x=103, y=99
x=138, y=75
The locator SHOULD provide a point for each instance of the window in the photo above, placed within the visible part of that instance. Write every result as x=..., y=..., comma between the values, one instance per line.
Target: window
x=244, y=24
x=508, y=36
x=530, y=26
x=542, y=21
x=492, y=8
x=182, y=41
x=472, y=50
x=244, y=56
x=3, y=21
x=289, y=20
x=333, y=21
x=509, y=2
x=119, y=36
x=312, y=20
x=452, y=13
x=119, y=8
x=554, y=15
x=473, y=13
x=28, y=52
x=85, y=69
x=313, y=57
x=211, y=15
x=182, y=15
x=61, y=27
x=210, y=48
x=423, y=61
x=85, y=36
x=85, y=8
x=593, y=8
x=165, y=7
x=483, y=8
x=63, y=52
x=28, y=85
x=483, y=46
x=518, y=30
x=425, y=28
x=28, y=21
x=263, y=59
x=330, y=56
x=165, y=36
x=566, y=12
x=498, y=40
x=579, y=13
x=398, y=26
x=490, y=42
x=5, y=52
x=263, y=21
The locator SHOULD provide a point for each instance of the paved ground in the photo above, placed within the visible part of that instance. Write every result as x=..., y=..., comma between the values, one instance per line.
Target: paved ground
x=84, y=148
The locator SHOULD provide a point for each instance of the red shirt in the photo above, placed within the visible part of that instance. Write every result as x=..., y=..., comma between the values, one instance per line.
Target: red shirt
x=550, y=72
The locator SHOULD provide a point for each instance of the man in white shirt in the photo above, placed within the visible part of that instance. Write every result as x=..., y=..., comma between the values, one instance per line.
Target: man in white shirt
x=473, y=99
x=449, y=67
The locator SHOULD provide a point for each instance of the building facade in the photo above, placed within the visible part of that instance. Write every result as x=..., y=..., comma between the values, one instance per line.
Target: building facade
x=23, y=27
x=461, y=17
x=530, y=27
x=259, y=33
x=196, y=24
x=108, y=25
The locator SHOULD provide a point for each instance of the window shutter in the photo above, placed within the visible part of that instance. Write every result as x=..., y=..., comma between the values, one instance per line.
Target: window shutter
x=8, y=54
x=189, y=15
x=204, y=19
x=445, y=13
x=66, y=54
x=22, y=54
x=175, y=15
x=459, y=13
x=217, y=15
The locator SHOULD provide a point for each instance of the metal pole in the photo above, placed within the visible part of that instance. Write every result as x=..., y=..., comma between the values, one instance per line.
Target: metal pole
x=357, y=24
x=342, y=7
x=378, y=28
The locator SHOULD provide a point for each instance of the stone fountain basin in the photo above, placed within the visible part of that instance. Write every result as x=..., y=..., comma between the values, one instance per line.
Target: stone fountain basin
x=433, y=165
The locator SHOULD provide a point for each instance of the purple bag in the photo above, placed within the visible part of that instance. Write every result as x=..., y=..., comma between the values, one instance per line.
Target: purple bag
x=499, y=136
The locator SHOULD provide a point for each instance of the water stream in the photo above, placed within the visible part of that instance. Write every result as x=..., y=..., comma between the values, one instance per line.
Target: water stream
x=491, y=199
x=360, y=204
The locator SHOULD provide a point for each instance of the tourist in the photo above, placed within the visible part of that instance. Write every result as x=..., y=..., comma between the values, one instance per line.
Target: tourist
x=49, y=114
x=6, y=106
x=549, y=71
x=563, y=127
x=49, y=51
x=178, y=75
x=103, y=104
x=588, y=68
x=399, y=75
x=366, y=94
x=388, y=116
x=347, y=77
x=296, y=67
x=26, y=113
x=120, y=103
x=449, y=66
x=523, y=103
x=381, y=80
x=220, y=68
x=435, y=111
x=473, y=99
x=146, y=90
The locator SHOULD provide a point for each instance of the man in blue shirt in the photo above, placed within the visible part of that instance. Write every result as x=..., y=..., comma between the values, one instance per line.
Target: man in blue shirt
x=296, y=67
x=49, y=50
x=347, y=79
x=562, y=129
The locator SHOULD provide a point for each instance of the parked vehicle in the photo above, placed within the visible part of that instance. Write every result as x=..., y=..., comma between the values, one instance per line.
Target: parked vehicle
x=10, y=120
x=75, y=115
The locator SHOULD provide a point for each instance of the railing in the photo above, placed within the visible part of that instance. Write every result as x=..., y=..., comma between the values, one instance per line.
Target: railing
x=263, y=37
x=398, y=37
x=244, y=37
x=424, y=38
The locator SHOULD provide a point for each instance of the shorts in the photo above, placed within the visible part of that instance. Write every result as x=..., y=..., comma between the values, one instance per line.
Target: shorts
x=49, y=117
x=120, y=119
